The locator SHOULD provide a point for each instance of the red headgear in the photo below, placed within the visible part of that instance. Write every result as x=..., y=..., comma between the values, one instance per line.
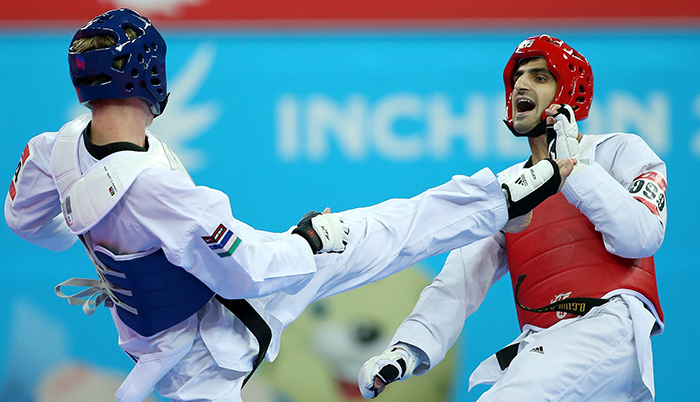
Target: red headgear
x=571, y=69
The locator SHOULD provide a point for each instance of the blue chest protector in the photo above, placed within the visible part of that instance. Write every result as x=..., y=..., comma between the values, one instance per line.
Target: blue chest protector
x=163, y=294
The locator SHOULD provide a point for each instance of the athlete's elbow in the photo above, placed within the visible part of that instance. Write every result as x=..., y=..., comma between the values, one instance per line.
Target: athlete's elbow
x=641, y=247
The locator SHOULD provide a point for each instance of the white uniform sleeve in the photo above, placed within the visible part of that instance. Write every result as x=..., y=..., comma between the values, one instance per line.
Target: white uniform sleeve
x=437, y=319
x=32, y=205
x=600, y=191
x=198, y=232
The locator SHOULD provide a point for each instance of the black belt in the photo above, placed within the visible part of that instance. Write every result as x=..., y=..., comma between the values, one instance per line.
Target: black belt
x=506, y=355
x=252, y=320
x=574, y=305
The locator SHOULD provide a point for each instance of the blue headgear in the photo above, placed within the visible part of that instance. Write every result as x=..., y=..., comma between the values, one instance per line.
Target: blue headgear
x=143, y=74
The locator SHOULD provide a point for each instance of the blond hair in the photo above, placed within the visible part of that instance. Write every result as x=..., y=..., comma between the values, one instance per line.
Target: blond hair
x=88, y=43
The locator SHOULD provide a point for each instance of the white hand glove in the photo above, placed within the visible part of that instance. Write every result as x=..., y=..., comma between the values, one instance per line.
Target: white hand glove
x=332, y=231
x=392, y=365
x=567, y=134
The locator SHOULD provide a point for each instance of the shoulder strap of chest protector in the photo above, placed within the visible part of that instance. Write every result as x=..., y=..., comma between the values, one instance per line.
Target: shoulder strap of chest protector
x=86, y=198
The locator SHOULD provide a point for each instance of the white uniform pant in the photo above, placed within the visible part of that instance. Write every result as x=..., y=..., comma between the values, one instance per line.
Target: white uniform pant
x=590, y=358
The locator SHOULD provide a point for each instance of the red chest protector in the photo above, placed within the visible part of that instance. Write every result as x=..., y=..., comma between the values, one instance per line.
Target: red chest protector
x=563, y=257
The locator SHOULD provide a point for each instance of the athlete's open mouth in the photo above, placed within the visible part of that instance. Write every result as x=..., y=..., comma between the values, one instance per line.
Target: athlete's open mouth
x=524, y=105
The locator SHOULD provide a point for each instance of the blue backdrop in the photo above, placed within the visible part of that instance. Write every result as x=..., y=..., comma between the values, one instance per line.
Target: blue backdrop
x=287, y=122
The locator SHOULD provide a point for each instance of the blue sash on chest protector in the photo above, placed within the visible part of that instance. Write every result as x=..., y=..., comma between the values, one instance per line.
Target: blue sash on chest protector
x=162, y=293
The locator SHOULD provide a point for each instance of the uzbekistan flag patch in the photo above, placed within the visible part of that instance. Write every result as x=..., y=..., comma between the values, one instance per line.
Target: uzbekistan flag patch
x=223, y=241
